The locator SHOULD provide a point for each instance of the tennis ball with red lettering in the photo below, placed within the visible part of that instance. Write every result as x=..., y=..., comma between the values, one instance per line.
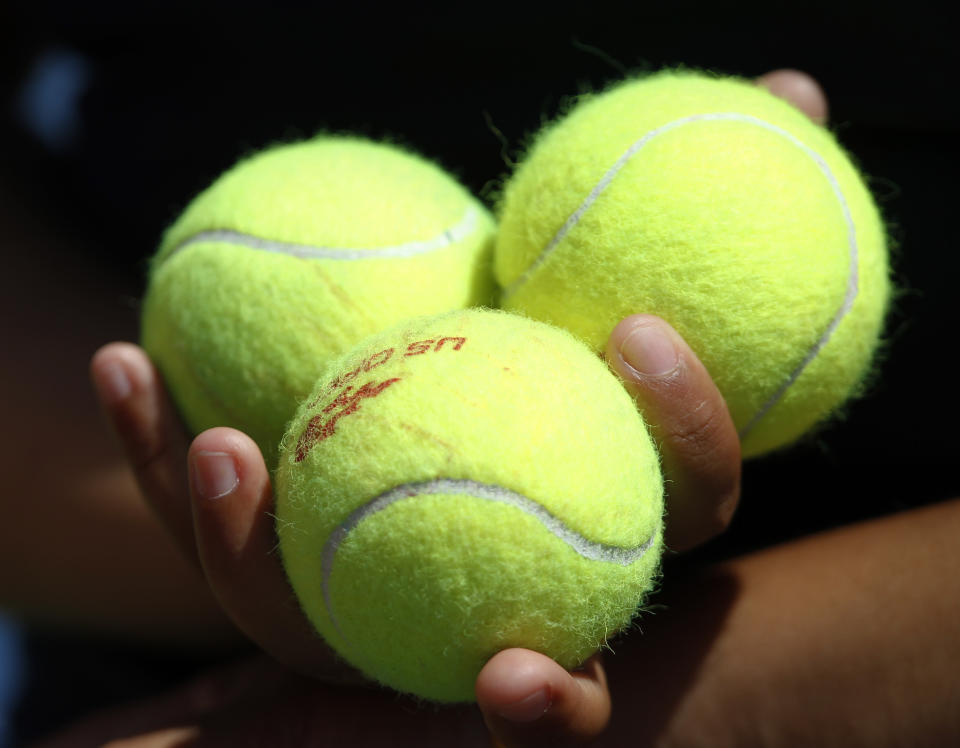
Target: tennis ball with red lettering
x=462, y=484
x=293, y=256
x=721, y=208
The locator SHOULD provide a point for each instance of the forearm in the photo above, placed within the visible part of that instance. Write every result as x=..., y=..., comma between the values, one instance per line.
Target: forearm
x=847, y=638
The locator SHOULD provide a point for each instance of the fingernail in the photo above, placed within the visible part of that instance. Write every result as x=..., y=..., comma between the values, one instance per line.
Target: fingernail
x=214, y=474
x=113, y=383
x=650, y=351
x=528, y=709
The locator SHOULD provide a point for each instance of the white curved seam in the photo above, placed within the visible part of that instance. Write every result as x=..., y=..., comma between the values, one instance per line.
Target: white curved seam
x=853, y=280
x=586, y=548
x=463, y=228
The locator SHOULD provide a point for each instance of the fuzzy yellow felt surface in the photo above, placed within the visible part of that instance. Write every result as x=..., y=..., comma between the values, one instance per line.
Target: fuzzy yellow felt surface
x=462, y=484
x=719, y=207
x=292, y=257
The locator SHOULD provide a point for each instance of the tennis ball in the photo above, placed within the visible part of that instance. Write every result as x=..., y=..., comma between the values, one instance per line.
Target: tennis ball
x=293, y=256
x=461, y=484
x=721, y=208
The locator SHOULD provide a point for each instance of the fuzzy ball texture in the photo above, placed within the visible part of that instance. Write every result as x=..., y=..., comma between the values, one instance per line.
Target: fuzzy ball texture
x=292, y=257
x=462, y=484
x=726, y=211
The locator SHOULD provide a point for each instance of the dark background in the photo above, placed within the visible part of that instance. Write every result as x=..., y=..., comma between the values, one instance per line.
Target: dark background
x=164, y=99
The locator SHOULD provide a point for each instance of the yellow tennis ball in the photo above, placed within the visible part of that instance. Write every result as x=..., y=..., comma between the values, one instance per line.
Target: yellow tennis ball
x=465, y=483
x=721, y=208
x=292, y=257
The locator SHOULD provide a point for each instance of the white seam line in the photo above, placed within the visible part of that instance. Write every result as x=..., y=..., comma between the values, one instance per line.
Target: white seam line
x=853, y=272
x=463, y=228
x=586, y=548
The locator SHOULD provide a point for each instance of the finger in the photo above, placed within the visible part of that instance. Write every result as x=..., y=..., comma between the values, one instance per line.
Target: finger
x=132, y=393
x=527, y=699
x=688, y=420
x=234, y=523
x=799, y=89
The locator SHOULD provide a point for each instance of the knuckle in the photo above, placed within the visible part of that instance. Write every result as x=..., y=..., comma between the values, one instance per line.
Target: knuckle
x=698, y=432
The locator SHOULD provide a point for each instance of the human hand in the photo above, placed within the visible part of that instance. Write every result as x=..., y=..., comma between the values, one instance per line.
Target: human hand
x=224, y=524
x=216, y=499
x=224, y=521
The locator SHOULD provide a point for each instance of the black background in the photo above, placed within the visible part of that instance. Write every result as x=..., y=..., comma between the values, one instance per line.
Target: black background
x=178, y=92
